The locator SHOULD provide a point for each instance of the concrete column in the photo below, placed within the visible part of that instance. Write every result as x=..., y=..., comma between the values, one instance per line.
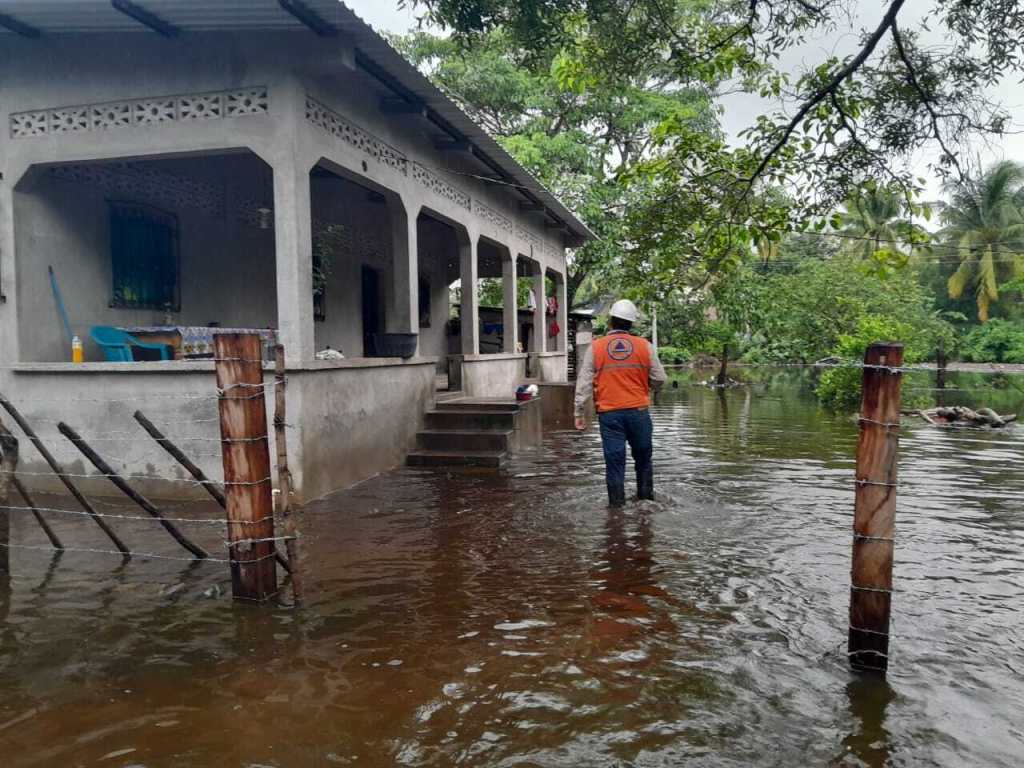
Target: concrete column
x=293, y=238
x=510, y=314
x=403, y=313
x=540, y=336
x=468, y=269
x=563, y=313
x=9, y=341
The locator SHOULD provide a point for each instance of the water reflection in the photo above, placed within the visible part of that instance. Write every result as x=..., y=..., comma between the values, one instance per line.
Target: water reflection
x=508, y=618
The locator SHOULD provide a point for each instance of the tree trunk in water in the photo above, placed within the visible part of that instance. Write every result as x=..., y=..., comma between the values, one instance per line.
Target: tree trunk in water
x=723, y=371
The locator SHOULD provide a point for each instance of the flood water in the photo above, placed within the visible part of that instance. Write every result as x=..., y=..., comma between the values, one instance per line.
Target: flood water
x=508, y=619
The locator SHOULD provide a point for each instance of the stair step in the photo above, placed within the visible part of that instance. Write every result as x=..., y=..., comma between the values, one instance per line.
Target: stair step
x=463, y=440
x=466, y=419
x=436, y=458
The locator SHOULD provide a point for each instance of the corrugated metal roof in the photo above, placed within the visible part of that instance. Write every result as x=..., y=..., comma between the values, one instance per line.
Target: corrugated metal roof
x=95, y=16
x=69, y=16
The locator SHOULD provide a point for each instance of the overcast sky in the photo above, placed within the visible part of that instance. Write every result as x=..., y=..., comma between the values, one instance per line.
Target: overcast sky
x=741, y=110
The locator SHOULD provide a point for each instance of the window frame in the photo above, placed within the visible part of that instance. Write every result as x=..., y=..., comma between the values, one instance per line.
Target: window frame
x=118, y=209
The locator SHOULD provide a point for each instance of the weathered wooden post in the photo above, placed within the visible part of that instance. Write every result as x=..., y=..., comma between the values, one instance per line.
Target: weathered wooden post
x=8, y=463
x=284, y=475
x=874, y=521
x=940, y=373
x=247, y=481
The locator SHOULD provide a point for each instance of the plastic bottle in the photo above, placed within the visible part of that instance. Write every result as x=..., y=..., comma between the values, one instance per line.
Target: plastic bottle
x=77, y=353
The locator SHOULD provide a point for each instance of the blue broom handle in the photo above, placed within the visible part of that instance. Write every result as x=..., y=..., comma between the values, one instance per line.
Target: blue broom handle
x=60, y=304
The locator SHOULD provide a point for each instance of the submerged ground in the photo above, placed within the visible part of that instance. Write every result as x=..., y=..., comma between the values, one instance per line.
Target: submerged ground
x=508, y=619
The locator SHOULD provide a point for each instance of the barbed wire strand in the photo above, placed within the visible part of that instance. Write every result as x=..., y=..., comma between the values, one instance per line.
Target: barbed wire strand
x=143, y=518
x=137, y=555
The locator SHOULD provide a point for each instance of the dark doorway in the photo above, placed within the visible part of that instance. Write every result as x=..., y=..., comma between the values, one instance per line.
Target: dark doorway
x=373, y=310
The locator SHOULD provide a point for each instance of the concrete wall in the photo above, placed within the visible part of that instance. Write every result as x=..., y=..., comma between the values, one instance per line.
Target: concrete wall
x=492, y=375
x=357, y=418
x=554, y=366
x=98, y=400
x=348, y=421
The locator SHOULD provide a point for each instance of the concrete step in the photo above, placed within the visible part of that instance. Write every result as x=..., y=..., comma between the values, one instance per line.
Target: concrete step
x=469, y=441
x=466, y=419
x=503, y=406
x=449, y=396
x=437, y=458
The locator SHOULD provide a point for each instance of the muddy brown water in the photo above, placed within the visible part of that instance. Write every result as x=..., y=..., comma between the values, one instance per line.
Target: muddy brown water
x=507, y=619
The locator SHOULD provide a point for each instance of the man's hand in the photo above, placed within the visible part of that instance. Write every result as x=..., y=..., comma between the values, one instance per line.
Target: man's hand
x=581, y=423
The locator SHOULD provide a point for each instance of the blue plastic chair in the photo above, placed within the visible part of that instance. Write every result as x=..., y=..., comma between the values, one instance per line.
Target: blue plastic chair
x=117, y=344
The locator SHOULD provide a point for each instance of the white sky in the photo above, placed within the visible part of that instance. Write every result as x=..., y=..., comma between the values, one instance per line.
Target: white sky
x=741, y=110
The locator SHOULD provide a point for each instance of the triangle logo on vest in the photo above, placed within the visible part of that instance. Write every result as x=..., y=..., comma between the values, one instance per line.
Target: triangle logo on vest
x=620, y=349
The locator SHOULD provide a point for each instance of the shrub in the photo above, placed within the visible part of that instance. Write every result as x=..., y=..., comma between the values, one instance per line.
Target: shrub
x=673, y=355
x=997, y=341
x=839, y=388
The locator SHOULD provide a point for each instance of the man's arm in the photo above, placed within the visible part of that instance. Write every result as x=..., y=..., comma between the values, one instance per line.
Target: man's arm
x=584, y=382
x=657, y=375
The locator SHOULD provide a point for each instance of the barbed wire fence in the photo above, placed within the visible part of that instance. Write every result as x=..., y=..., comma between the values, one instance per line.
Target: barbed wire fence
x=224, y=429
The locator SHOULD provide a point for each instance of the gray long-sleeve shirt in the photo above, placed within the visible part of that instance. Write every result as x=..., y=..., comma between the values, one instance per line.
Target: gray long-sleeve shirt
x=585, y=376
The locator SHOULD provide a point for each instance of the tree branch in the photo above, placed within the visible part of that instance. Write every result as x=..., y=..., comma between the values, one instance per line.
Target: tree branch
x=897, y=38
x=830, y=87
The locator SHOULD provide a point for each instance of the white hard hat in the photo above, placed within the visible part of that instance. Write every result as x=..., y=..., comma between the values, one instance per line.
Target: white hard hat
x=624, y=309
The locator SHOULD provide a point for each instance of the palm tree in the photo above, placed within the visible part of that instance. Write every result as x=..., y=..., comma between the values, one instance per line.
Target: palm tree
x=984, y=220
x=871, y=222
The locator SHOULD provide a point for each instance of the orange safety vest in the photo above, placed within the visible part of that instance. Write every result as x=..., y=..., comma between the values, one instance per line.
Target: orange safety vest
x=622, y=370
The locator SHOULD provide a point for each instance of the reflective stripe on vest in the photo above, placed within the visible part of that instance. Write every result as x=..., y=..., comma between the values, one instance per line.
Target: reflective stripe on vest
x=622, y=369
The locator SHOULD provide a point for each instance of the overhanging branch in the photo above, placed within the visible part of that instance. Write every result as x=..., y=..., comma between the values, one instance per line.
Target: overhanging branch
x=826, y=90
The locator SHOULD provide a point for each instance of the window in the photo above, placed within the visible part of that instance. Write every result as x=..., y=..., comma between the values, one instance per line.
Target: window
x=144, y=258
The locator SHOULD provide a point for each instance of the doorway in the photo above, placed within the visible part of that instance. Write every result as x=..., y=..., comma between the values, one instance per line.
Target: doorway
x=373, y=310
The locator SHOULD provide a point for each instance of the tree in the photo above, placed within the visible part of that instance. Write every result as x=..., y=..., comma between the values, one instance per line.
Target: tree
x=579, y=138
x=874, y=229
x=844, y=121
x=985, y=223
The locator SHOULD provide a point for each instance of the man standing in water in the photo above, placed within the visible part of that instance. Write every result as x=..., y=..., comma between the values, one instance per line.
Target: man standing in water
x=619, y=371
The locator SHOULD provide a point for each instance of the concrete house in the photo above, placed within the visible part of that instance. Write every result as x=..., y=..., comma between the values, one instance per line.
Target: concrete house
x=171, y=167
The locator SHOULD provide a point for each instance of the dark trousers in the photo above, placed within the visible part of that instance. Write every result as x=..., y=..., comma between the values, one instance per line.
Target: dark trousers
x=631, y=426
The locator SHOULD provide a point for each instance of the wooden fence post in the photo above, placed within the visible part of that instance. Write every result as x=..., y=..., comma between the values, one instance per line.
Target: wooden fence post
x=8, y=463
x=284, y=475
x=247, y=481
x=940, y=373
x=874, y=520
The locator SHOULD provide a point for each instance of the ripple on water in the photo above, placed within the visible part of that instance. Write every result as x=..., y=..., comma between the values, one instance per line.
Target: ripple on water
x=508, y=618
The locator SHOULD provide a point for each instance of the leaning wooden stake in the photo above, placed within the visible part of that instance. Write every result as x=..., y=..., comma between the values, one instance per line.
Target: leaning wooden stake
x=201, y=478
x=7, y=439
x=21, y=489
x=8, y=463
x=196, y=472
x=127, y=490
x=59, y=471
x=247, y=481
x=874, y=523
x=284, y=475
